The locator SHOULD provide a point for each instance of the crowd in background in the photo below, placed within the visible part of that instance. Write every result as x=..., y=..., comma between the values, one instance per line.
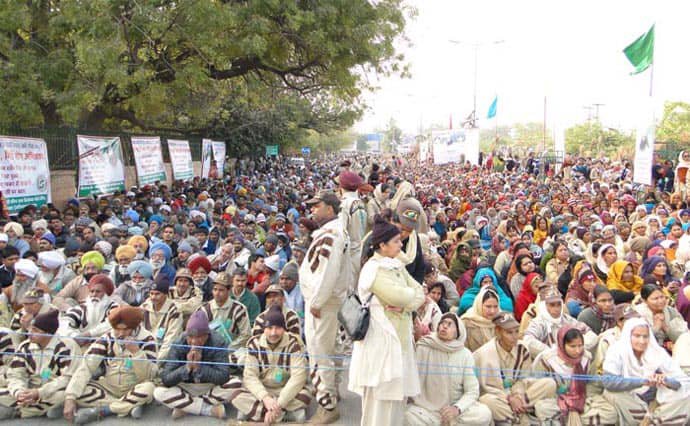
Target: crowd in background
x=509, y=292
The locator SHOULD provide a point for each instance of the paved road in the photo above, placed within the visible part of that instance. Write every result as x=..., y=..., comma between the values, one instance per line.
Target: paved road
x=157, y=415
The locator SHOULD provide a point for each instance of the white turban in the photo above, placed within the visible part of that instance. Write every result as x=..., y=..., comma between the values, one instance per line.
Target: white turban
x=104, y=247
x=26, y=267
x=51, y=259
x=195, y=213
x=39, y=224
x=14, y=226
x=107, y=226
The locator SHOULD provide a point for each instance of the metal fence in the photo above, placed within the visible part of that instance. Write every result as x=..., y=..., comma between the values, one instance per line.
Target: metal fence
x=62, y=143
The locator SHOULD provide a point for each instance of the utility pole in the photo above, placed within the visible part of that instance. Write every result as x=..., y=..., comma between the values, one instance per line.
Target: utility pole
x=596, y=109
x=473, y=121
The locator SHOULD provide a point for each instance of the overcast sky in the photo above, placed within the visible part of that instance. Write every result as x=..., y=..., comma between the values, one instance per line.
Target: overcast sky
x=570, y=52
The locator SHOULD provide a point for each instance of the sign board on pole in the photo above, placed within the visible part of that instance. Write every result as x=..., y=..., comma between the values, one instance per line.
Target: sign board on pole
x=306, y=150
x=453, y=146
x=180, y=159
x=206, y=157
x=219, y=157
x=148, y=159
x=271, y=150
x=644, y=154
x=101, y=169
x=24, y=172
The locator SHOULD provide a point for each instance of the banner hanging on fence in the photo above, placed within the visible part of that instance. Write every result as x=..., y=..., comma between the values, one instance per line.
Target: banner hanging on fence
x=219, y=157
x=24, y=172
x=148, y=158
x=180, y=159
x=101, y=169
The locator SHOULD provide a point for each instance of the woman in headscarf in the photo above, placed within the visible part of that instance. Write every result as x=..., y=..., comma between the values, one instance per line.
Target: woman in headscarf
x=682, y=178
x=551, y=316
x=622, y=282
x=656, y=270
x=558, y=263
x=606, y=256
x=383, y=369
x=524, y=264
x=599, y=315
x=683, y=299
x=541, y=229
x=485, y=277
x=478, y=319
x=460, y=262
x=428, y=316
x=449, y=387
x=579, y=295
x=566, y=363
x=668, y=325
x=642, y=381
x=528, y=294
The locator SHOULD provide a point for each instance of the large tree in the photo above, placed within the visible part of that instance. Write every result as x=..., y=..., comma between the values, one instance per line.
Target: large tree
x=182, y=65
x=674, y=127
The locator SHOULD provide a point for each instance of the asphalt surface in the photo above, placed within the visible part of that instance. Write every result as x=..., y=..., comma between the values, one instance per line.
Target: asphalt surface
x=158, y=415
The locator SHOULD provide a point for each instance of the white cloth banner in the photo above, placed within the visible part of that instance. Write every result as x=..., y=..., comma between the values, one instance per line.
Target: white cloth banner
x=219, y=157
x=453, y=146
x=148, y=158
x=180, y=159
x=206, y=157
x=423, y=151
x=644, y=154
x=24, y=172
x=101, y=169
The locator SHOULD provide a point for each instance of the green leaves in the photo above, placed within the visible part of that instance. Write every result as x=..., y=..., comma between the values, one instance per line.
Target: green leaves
x=186, y=65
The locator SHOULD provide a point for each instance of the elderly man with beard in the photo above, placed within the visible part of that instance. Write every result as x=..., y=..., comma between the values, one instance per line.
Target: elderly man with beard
x=136, y=290
x=24, y=280
x=76, y=291
x=89, y=320
x=14, y=232
x=450, y=398
x=160, y=255
x=161, y=317
x=124, y=255
x=200, y=267
x=274, y=384
x=52, y=274
x=115, y=377
x=39, y=372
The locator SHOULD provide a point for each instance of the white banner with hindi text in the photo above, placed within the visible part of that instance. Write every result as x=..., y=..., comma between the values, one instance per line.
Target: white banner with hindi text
x=101, y=169
x=24, y=172
x=180, y=159
x=148, y=158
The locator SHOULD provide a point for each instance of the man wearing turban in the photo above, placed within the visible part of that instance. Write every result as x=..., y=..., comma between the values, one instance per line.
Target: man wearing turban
x=116, y=376
x=88, y=321
x=77, y=291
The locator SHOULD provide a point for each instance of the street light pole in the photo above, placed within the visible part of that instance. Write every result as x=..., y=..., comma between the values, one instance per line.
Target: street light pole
x=473, y=121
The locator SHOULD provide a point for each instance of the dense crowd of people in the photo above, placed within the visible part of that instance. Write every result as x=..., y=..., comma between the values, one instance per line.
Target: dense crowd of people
x=511, y=292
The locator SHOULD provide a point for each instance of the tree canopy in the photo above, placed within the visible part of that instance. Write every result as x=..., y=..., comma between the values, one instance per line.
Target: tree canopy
x=251, y=68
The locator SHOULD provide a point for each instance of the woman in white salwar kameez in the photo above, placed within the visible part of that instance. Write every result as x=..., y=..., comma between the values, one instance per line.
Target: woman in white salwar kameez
x=642, y=381
x=383, y=370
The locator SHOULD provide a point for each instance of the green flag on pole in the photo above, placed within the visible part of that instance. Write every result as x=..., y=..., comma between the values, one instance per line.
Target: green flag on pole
x=641, y=52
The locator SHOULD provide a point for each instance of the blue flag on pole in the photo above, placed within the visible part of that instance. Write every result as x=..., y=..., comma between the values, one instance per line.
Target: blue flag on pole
x=492, y=108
